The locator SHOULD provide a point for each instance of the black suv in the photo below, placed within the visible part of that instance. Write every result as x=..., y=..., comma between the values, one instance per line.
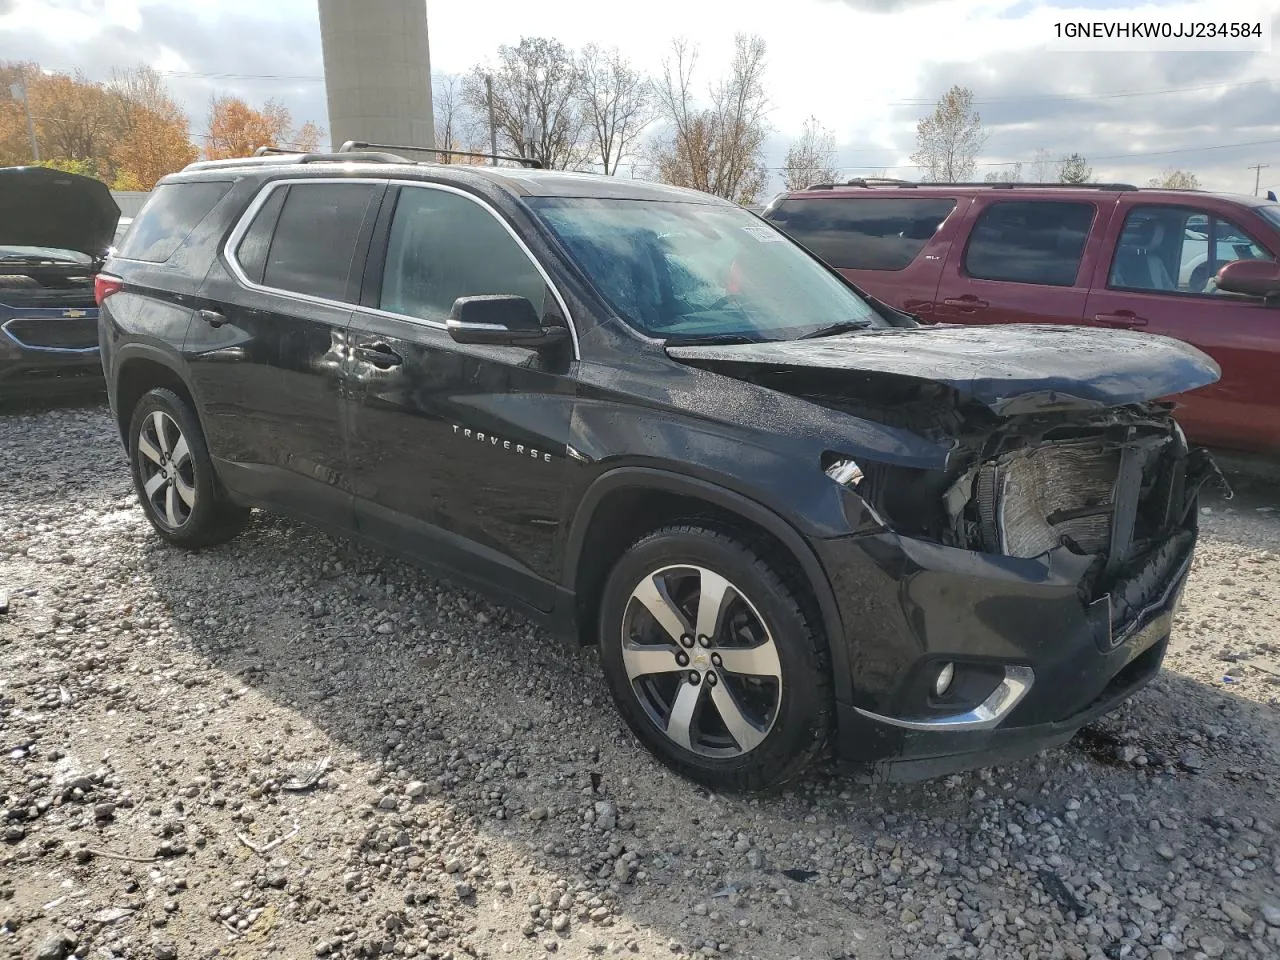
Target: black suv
x=786, y=513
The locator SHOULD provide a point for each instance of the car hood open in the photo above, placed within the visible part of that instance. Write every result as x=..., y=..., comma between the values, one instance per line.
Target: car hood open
x=41, y=207
x=1008, y=369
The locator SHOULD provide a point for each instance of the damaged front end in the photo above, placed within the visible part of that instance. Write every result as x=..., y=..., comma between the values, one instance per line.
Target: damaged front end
x=1115, y=487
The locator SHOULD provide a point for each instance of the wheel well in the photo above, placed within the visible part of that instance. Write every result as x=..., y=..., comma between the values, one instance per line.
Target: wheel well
x=626, y=515
x=136, y=377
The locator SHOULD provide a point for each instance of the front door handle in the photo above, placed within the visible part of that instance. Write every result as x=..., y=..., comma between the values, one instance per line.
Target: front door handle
x=967, y=302
x=213, y=318
x=379, y=354
x=1123, y=319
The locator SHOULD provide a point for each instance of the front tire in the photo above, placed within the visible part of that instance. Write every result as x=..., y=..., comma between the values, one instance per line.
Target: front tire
x=174, y=476
x=713, y=661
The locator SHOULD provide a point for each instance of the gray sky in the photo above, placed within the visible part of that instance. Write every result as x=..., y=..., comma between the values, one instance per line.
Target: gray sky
x=867, y=69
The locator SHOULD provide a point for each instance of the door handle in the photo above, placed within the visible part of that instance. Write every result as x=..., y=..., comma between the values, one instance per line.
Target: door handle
x=379, y=354
x=965, y=303
x=1123, y=319
x=213, y=318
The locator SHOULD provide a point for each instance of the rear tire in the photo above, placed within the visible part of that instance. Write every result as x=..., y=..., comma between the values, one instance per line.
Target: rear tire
x=737, y=696
x=174, y=476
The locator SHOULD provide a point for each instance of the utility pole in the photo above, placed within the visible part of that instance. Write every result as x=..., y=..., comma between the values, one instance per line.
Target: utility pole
x=493, y=129
x=19, y=92
x=1257, y=169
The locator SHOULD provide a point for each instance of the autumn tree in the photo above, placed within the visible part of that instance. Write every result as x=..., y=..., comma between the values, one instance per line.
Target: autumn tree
x=153, y=136
x=1175, y=180
x=1075, y=169
x=237, y=129
x=1010, y=174
x=128, y=132
x=811, y=158
x=537, y=107
x=616, y=101
x=949, y=140
x=717, y=147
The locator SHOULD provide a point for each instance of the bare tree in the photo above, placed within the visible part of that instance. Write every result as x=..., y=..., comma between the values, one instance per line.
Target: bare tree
x=1075, y=169
x=811, y=158
x=615, y=100
x=456, y=126
x=1175, y=180
x=537, y=106
x=715, y=148
x=949, y=140
x=1010, y=174
x=1044, y=169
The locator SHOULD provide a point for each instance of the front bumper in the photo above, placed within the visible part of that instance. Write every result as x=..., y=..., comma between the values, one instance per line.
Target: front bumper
x=1042, y=658
x=45, y=351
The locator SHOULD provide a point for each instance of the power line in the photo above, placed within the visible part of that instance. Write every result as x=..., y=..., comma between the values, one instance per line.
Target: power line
x=921, y=101
x=905, y=102
x=1112, y=156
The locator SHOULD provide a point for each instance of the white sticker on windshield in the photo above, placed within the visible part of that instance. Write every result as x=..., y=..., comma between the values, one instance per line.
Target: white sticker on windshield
x=764, y=234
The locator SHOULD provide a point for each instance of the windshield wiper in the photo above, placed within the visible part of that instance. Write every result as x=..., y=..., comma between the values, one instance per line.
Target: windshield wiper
x=28, y=258
x=717, y=339
x=844, y=326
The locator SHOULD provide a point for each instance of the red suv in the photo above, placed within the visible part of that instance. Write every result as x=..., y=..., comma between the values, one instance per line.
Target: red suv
x=1105, y=255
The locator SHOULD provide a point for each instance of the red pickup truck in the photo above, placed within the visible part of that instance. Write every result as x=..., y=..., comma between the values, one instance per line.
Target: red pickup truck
x=1106, y=255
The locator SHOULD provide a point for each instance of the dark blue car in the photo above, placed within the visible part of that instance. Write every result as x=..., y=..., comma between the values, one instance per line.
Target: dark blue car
x=55, y=231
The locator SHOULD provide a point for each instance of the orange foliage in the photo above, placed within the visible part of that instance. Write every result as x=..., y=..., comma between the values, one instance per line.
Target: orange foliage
x=236, y=129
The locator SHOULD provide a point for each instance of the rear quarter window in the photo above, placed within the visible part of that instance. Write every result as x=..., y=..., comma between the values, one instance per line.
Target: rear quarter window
x=172, y=212
x=863, y=234
x=1029, y=241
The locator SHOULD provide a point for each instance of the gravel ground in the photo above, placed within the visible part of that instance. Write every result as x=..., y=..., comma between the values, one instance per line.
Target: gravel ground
x=290, y=747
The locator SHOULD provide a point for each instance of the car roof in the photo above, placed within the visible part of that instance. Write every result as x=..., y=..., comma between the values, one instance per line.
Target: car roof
x=519, y=181
x=874, y=188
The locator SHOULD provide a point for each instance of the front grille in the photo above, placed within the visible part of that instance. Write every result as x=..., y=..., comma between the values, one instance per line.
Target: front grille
x=59, y=333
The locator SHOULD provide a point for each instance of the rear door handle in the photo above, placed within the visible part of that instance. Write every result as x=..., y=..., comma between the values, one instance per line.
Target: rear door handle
x=965, y=303
x=213, y=318
x=1124, y=319
x=379, y=354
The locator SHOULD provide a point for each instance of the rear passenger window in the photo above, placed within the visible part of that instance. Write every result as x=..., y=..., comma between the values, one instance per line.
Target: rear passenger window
x=1029, y=241
x=171, y=213
x=444, y=246
x=251, y=254
x=315, y=239
x=870, y=234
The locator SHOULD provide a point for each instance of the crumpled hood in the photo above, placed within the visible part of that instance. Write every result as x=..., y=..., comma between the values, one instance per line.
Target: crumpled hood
x=40, y=207
x=1011, y=370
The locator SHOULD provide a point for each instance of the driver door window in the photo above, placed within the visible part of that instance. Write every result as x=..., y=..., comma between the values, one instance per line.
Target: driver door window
x=444, y=246
x=1178, y=250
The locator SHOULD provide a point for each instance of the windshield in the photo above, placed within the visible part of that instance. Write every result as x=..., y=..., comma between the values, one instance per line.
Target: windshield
x=690, y=271
x=44, y=253
x=1271, y=211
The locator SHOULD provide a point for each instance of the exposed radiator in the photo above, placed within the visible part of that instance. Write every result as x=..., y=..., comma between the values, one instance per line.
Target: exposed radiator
x=1036, y=500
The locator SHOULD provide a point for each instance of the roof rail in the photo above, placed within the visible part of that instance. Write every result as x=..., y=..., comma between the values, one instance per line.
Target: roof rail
x=879, y=181
x=354, y=145
x=268, y=156
x=890, y=182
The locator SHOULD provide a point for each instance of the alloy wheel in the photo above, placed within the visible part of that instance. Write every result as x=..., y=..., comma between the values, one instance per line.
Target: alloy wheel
x=166, y=469
x=701, y=661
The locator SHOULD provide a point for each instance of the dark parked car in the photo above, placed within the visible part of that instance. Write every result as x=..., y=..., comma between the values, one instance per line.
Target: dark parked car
x=1096, y=255
x=787, y=514
x=55, y=229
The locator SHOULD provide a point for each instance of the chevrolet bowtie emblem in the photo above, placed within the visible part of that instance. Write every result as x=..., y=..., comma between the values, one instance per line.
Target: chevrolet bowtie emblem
x=73, y=313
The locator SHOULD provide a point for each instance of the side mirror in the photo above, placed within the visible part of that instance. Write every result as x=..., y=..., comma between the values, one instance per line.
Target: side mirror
x=500, y=321
x=1254, y=278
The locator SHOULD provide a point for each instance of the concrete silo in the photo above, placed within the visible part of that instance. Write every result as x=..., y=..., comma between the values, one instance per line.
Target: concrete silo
x=377, y=68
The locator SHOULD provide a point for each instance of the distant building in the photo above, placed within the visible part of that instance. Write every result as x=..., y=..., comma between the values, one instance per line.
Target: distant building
x=377, y=68
x=130, y=201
